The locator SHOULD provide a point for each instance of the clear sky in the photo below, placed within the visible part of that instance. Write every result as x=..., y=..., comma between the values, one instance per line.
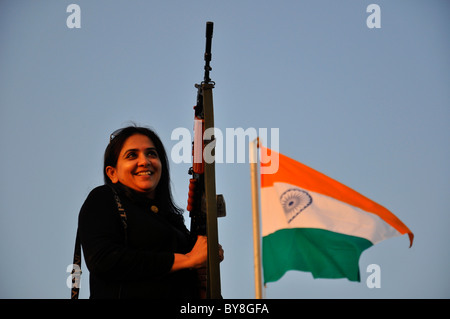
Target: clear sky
x=369, y=107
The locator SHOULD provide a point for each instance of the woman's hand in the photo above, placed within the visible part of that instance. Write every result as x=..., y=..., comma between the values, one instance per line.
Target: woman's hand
x=199, y=253
x=221, y=253
x=196, y=258
x=202, y=275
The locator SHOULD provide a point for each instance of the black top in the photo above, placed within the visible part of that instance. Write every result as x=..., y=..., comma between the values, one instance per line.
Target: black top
x=140, y=267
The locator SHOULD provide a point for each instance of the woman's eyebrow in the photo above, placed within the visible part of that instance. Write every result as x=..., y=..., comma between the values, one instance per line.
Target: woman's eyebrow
x=131, y=150
x=137, y=150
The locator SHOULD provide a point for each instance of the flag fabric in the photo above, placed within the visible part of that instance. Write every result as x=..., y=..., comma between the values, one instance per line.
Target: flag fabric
x=313, y=223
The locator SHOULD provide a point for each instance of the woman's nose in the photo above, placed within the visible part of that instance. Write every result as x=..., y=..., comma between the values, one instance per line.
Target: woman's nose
x=144, y=161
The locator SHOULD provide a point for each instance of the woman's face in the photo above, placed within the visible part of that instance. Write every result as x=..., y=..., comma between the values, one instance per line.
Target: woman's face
x=138, y=165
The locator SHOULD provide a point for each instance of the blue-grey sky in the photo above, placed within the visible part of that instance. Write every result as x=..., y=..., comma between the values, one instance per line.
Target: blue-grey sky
x=368, y=107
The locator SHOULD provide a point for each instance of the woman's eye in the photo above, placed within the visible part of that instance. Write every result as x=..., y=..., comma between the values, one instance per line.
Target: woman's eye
x=131, y=155
x=152, y=153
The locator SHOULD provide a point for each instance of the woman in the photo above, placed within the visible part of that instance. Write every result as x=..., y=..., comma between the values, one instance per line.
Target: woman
x=152, y=255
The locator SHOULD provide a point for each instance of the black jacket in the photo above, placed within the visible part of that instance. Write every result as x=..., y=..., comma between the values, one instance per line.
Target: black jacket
x=139, y=267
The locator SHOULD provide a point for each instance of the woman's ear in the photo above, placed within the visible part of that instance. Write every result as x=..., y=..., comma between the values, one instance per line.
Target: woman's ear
x=112, y=174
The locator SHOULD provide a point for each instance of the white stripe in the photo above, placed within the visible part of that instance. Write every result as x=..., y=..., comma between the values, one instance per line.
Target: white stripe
x=324, y=213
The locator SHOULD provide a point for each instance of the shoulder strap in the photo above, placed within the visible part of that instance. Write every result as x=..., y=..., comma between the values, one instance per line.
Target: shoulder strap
x=122, y=213
x=76, y=271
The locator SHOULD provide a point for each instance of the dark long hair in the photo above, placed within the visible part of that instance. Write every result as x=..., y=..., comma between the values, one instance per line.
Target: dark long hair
x=163, y=190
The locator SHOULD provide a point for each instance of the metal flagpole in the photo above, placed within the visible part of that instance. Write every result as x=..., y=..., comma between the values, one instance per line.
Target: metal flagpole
x=254, y=145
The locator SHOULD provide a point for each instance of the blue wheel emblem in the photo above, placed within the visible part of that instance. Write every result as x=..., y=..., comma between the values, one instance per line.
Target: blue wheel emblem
x=294, y=201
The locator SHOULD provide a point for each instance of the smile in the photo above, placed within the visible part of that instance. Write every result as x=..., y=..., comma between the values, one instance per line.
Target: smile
x=145, y=173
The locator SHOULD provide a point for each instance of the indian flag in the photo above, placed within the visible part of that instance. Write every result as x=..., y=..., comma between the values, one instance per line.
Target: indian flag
x=313, y=223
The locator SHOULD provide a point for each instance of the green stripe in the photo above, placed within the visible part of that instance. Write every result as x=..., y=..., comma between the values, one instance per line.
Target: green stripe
x=324, y=253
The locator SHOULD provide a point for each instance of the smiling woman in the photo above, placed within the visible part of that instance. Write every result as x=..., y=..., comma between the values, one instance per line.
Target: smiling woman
x=138, y=165
x=154, y=256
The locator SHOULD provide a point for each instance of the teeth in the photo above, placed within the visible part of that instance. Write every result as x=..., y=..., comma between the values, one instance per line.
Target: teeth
x=144, y=173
